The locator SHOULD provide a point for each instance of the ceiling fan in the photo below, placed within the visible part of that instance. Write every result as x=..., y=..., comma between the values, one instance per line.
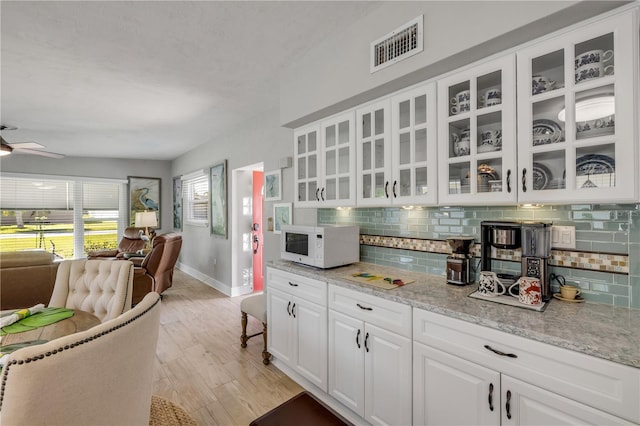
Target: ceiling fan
x=31, y=148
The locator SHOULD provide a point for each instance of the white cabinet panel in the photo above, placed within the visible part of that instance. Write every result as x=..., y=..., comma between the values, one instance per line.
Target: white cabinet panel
x=448, y=390
x=527, y=405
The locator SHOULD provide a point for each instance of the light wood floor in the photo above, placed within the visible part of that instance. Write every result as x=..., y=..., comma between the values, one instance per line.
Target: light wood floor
x=200, y=364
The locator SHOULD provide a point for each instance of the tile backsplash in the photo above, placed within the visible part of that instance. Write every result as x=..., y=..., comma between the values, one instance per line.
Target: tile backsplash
x=601, y=230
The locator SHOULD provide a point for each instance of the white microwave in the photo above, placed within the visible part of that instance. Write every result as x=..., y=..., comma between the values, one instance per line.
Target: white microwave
x=320, y=246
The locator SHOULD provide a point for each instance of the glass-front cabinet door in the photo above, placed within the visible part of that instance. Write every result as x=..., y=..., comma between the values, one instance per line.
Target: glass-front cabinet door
x=414, y=151
x=477, y=135
x=337, y=135
x=576, y=115
x=307, y=156
x=373, y=150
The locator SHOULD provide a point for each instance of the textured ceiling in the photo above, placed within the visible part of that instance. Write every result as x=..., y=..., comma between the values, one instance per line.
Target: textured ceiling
x=149, y=80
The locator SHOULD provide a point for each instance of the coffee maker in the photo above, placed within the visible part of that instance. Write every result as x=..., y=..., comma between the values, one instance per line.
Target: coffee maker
x=459, y=271
x=534, y=240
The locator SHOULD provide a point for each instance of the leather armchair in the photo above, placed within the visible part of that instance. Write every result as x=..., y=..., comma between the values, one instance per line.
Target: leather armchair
x=155, y=273
x=130, y=243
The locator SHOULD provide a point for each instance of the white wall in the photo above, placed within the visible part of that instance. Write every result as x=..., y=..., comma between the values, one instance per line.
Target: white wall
x=259, y=139
x=115, y=168
x=335, y=75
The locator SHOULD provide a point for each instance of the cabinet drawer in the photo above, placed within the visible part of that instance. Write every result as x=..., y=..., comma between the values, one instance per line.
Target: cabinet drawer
x=306, y=288
x=392, y=316
x=608, y=386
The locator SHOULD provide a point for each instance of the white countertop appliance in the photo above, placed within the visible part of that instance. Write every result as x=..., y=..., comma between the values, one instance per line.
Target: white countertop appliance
x=326, y=246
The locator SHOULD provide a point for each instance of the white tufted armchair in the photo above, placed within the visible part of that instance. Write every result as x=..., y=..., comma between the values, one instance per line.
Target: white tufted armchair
x=101, y=287
x=101, y=376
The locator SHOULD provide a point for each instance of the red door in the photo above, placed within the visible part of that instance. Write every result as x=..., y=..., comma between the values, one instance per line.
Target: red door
x=256, y=237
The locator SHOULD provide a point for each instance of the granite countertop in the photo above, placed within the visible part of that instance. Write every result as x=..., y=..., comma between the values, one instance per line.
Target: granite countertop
x=603, y=331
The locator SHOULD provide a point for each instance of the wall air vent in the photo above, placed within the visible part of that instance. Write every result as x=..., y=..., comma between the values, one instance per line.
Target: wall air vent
x=397, y=45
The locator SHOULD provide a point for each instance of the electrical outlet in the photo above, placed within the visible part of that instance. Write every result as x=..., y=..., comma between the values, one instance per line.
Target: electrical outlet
x=563, y=237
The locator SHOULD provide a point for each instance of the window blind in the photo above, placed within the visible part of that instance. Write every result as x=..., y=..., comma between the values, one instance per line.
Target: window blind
x=195, y=193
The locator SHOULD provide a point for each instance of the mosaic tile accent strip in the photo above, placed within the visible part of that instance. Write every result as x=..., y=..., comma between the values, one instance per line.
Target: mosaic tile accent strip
x=601, y=262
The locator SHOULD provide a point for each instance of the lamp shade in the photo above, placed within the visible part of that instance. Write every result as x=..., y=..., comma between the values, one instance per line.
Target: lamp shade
x=146, y=220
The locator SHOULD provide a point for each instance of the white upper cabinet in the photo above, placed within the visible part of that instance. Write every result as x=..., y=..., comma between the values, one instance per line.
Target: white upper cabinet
x=577, y=116
x=396, y=149
x=373, y=148
x=414, y=148
x=325, y=163
x=306, y=158
x=339, y=161
x=477, y=135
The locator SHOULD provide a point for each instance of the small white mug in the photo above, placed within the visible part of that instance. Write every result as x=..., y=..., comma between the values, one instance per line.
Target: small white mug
x=529, y=291
x=593, y=57
x=490, y=285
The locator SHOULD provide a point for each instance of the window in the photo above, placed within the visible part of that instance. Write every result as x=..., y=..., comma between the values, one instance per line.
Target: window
x=68, y=216
x=195, y=193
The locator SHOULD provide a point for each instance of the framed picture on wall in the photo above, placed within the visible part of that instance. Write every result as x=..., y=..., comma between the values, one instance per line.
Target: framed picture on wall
x=177, y=203
x=218, y=199
x=281, y=216
x=273, y=186
x=144, y=195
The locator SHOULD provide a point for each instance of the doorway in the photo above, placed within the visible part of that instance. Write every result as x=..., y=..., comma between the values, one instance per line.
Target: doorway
x=246, y=230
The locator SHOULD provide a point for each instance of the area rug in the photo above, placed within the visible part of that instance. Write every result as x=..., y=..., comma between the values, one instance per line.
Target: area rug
x=167, y=413
x=380, y=281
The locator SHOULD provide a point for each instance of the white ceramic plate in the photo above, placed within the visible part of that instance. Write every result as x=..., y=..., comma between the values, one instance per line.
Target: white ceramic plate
x=546, y=132
x=541, y=176
x=595, y=164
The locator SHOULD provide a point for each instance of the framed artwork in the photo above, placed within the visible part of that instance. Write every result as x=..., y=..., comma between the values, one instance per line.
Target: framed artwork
x=281, y=216
x=144, y=195
x=177, y=203
x=273, y=186
x=218, y=199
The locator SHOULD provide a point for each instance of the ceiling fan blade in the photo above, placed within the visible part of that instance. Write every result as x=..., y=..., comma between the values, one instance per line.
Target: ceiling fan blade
x=36, y=152
x=26, y=145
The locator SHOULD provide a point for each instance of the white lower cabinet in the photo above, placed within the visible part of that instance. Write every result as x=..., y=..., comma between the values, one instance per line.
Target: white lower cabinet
x=448, y=390
x=472, y=375
x=297, y=327
x=452, y=391
x=528, y=405
x=369, y=366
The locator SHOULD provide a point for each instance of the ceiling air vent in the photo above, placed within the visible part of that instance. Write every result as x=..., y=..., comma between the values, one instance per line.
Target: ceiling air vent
x=397, y=45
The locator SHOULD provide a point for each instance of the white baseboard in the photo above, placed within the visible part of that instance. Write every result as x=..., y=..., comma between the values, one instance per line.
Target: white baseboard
x=212, y=282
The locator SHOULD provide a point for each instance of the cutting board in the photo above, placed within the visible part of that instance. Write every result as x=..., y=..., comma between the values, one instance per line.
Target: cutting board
x=380, y=281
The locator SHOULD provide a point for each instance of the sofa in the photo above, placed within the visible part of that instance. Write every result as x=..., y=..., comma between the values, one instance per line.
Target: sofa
x=26, y=278
x=155, y=272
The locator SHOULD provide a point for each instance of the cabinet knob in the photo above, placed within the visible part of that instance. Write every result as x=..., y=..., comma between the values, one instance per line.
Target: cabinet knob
x=524, y=180
x=365, y=308
x=322, y=194
x=386, y=189
x=509, y=180
x=289, y=308
x=366, y=339
x=293, y=310
x=317, y=197
x=395, y=182
x=508, y=404
x=358, y=339
x=293, y=284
